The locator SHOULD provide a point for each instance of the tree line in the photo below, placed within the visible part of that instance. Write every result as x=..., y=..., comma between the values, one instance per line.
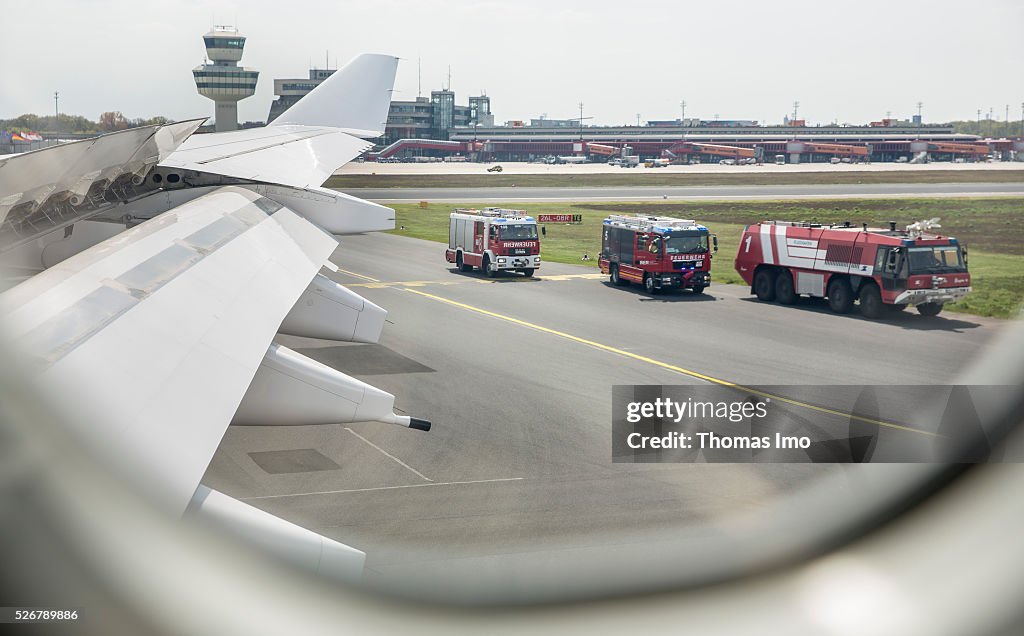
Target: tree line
x=989, y=128
x=75, y=124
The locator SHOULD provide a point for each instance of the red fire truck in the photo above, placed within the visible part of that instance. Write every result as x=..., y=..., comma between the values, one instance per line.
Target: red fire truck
x=659, y=252
x=882, y=268
x=493, y=239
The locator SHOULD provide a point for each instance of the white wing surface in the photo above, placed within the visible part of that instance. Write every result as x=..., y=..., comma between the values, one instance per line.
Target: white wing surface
x=297, y=156
x=153, y=337
x=354, y=99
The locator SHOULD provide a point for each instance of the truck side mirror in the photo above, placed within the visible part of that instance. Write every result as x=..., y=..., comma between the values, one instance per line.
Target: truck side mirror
x=714, y=241
x=963, y=252
x=890, y=263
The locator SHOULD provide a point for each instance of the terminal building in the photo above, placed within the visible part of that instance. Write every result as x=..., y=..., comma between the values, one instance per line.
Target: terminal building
x=694, y=141
x=424, y=118
x=436, y=126
x=797, y=144
x=290, y=91
x=435, y=117
x=222, y=79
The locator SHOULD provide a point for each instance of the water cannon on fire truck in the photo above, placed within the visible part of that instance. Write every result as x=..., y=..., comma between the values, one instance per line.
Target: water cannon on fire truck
x=659, y=252
x=881, y=268
x=493, y=239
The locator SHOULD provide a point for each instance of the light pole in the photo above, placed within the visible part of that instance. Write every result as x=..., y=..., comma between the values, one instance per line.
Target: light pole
x=56, y=107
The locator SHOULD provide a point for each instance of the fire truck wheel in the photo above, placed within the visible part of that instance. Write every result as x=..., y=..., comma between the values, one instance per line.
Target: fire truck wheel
x=486, y=266
x=463, y=267
x=649, y=284
x=528, y=272
x=870, y=301
x=840, y=296
x=698, y=289
x=614, y=275
x=929, y=309
x=764, y=286
x=784, y=291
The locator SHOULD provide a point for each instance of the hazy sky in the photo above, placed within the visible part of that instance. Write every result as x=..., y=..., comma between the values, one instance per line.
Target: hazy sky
x=740, y=59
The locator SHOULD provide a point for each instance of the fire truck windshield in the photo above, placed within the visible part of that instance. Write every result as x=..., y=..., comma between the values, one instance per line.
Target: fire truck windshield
x=686, y=242
x=518, y=232
x=934, y=260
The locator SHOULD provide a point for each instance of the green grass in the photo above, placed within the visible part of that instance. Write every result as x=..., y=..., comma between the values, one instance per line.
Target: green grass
x=655, y=177
x=998, y=286
x=992, y=227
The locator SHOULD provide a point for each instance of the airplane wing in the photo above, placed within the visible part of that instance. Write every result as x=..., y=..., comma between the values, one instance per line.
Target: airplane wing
x=164, y=326
x=309, y=141
x=45, y=190
x=154, y=336
x=297, y=156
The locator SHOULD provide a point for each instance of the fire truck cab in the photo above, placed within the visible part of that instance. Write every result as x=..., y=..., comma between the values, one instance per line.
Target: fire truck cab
x=493, y=239
x=659, y=252
x=880, y=268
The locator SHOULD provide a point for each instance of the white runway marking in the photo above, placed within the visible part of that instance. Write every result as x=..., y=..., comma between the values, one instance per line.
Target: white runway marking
x=341, y=492
x=421, y=475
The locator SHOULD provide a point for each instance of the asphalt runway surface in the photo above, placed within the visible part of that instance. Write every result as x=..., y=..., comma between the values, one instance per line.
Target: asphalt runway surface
x=639, y=193
x=516, y=375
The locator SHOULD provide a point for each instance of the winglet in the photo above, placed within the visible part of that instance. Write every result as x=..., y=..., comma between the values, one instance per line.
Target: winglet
x=355, y=98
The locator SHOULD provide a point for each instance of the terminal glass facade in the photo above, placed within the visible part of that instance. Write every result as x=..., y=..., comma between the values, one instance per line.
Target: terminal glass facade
x=443, y=116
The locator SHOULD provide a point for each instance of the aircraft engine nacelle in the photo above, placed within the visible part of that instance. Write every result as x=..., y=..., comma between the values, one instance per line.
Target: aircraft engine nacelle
x=291, y=389
x=329, y=311
x=296, y=545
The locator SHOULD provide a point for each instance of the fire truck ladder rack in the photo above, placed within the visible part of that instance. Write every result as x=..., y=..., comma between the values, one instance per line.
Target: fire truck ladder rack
x=807, y=224
x=644, y=223
x=811, y=224
x=497, y=213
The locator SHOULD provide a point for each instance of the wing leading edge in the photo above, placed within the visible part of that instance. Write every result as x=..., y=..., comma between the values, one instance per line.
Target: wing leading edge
x=310, y=140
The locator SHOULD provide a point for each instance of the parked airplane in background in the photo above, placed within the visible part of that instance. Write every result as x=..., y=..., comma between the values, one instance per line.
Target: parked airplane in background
x=151, y=270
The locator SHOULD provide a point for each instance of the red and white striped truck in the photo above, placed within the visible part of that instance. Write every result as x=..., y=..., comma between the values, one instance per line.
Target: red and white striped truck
x=493, y=239
x=880, y=268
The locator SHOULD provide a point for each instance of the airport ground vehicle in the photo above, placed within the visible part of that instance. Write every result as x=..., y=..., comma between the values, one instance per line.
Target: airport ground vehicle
x=881, y=268
x=659, y=252
x=493, y=239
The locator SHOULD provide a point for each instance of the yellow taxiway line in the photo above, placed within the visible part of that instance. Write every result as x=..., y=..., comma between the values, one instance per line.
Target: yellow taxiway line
x=664, y=365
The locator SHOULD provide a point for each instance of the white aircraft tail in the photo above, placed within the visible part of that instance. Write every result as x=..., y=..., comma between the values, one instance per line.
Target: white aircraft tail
x=355, y=98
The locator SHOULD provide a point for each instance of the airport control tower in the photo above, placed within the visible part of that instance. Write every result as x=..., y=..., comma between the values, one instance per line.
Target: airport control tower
x=221, y=79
